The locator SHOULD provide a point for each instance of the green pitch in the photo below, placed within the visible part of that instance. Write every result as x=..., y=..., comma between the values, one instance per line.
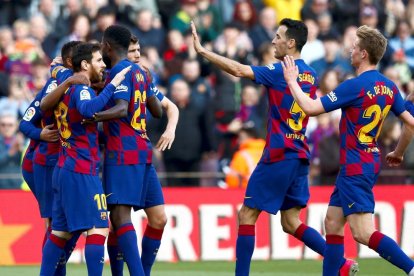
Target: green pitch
x=368, y=267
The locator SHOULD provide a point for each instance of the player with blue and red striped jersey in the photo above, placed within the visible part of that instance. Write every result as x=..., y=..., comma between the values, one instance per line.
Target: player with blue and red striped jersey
x=365, y=102
x=79, y=202
x=280, y=180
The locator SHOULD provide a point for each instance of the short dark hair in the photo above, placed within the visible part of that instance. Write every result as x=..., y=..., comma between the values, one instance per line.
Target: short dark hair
x=118, y=37
x=105, y=10
x=134, y=39
x=82, y=52
x=296, y=30
x=67, y=49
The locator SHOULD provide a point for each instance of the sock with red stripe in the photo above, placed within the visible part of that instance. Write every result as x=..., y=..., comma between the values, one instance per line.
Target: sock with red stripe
x=244, y=249
x=94, y=253
x=46, y=236
x=150, y=244
x=115, y=256
x=388, y=249
x=69, y=247
x=333, y=255
x=52, y=251
x=127, y=242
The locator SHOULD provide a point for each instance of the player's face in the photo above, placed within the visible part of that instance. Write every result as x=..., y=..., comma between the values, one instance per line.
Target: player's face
x=280, y=43
x=134, y=52
x=105, y=53
x=356, y=53
x=97, y=68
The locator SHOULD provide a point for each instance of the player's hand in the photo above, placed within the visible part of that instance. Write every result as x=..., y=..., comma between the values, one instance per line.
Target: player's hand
x=49, y=134
x=166, y=140
x=120, y=76
x=290, y=69
x=57, y=60
x=79, y=79
x=196, y=40
x=393, y=159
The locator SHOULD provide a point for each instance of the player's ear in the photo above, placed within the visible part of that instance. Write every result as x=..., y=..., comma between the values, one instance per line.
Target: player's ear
x=291, y=43
x=84, y=65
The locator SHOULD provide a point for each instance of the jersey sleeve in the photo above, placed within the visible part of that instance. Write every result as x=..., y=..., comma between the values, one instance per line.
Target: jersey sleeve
x=31, y=117
x=155, y=91
x=268, y=75
x=409, y=106
x=87, y=103
x=340, y=97
x=123, y=90
x=399, y=106
x=61, y=73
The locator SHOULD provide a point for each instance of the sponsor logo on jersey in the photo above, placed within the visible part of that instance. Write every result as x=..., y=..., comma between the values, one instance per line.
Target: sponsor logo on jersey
x=121, y=88
x=29, y=114
x=331, y=95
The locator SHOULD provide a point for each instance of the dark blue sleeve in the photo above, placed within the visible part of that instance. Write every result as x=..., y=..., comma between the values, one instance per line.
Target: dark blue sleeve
x=154, y=91
x=31, y=117
x=268, y=75
x=340, y=97
x=123, y=90
x=409, y=106
x=86, y=102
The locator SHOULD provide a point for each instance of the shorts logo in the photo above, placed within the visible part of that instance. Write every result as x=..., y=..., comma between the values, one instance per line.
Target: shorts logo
x=104, y=216
x=331, y=95
x=247, y=197
x=350, y=205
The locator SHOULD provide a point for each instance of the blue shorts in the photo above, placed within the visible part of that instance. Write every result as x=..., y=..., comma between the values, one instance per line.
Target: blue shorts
x=29, y=179
x=354, y=193
x=133, y=185
x=278, y=186
x=43, y=188
x=79, y=202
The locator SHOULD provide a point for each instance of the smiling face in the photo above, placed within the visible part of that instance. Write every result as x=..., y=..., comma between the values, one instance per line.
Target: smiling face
x=97, y=68
x=280, y=43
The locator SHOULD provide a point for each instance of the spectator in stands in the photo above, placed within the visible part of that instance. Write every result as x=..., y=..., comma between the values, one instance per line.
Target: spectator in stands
x=245, y=14
x=402, y=45
x=313, y=49
x=329, y=80
x=369, y=16
x=175, y=54
x=266, y=54
x=105, y=17
x=6, y=41
x=286, y=8
x=148, y=35
x=11, y=147
x=18, y=99
x=314, y=9
x=181, y=20
x=200, y=88
x=265, y=30
x=326, y=28
x=12, y=10
x=246, y=158
x=209, y=19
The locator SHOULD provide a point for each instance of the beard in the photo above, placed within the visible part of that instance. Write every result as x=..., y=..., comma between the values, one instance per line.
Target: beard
x=95, y=76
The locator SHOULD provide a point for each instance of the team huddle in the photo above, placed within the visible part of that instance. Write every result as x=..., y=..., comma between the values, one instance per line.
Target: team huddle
x=62, y=163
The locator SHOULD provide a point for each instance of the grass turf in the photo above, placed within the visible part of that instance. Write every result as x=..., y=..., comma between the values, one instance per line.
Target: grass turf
x=368, y=267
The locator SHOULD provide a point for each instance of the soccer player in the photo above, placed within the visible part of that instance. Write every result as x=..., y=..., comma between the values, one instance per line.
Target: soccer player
x=280, y=180
x=79, y=202
x=365, y=102
x=154, y=202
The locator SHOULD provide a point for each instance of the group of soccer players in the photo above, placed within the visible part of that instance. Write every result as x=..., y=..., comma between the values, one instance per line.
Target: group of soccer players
x=69, y=167
x=279, y=182
x=62, y=163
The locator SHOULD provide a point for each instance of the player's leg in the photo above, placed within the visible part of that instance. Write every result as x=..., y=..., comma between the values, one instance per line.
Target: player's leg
x=246, y=236
x=157, y=219
x=95, y=249
x=52, y=251
x=363, y=231
x=116, y=259
x=127, y=238
x=334, y=249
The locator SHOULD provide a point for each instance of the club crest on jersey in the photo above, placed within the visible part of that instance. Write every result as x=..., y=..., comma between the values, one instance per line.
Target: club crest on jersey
x=29, y=114
x=139, y=77
x=121, y=88
x=85, y=95
x=104, y=216
x=331, y=95
x=51, y=86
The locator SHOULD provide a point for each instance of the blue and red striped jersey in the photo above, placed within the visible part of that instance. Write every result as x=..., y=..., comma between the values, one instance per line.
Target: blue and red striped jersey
x=365, y=102
x=286, y=124
x=126, y=138
x=80, y=147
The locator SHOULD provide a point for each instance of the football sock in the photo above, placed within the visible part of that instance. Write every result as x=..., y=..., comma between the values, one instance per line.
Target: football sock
x=115, y=256
x=94, y=253
x=390, y=251
x=244, y=249
x=127, y=241
x=47, y=233
x=333, y=255
x=52, y=251
x=150, y=244
x=69, y=247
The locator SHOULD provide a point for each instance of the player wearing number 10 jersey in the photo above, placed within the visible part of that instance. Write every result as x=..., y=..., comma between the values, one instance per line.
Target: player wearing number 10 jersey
x=365, y=102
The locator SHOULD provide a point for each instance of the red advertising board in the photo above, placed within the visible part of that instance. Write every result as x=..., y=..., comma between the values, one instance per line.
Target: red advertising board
x=202, y=226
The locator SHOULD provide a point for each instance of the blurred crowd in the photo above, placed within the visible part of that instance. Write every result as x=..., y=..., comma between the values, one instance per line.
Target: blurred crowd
x=222, y=118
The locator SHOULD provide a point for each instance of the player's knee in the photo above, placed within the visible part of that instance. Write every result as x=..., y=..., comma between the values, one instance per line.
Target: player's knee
x=360, y=235
x=98, y=231
x=159, y=221
x=332, y=226
x=62, y=234
x=288, y=224
x=248, y=215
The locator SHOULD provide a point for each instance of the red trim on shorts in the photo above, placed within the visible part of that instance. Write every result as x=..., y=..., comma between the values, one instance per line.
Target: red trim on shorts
x=246, y=230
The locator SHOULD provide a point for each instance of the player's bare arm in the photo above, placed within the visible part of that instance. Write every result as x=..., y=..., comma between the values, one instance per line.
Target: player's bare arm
x=53, y=98
x=154, y=106
x=290, y=71
x=119, y=110
x=167, y=138
x=230, y=66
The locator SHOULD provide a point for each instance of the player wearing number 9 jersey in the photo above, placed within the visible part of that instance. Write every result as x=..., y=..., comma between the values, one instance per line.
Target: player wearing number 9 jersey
x=280, y=180
x=79, y=202
x=365, y=102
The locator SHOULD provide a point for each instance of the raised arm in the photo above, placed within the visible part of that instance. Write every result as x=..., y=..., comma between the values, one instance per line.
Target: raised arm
x=52, y=99
x=230, y=66
x=396, y=157
x=310, y=106
x=167, y=138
